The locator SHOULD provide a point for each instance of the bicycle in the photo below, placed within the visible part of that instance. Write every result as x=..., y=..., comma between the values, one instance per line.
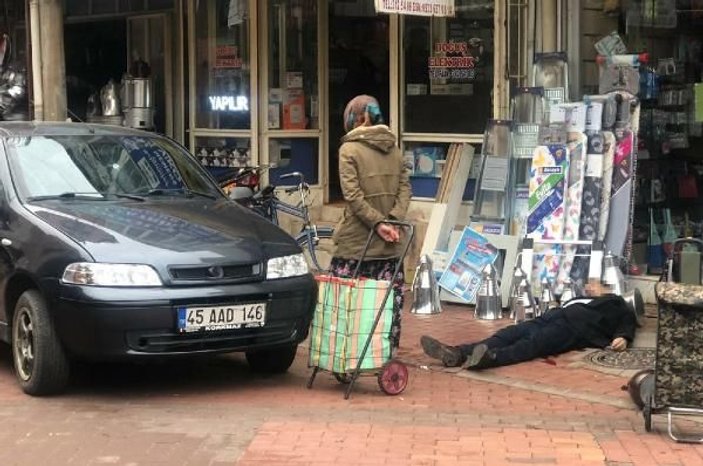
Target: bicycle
x=315, y=241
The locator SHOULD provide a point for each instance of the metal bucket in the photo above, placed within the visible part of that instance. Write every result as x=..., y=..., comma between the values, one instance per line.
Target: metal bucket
x=136, y=93
x=114, y=120
x=139, y=118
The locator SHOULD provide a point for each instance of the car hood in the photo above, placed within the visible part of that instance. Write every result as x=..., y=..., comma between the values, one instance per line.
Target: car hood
x=166, y=233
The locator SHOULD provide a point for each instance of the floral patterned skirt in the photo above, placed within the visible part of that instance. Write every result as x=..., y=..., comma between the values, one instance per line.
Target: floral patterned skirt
x=377, y=270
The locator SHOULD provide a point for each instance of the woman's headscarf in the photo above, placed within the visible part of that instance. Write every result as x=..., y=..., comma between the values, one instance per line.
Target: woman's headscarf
x=360, y=105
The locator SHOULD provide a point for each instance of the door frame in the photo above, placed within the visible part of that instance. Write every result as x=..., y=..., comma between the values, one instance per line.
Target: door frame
x=260, y=135
x=264, y=133
x=192, y=130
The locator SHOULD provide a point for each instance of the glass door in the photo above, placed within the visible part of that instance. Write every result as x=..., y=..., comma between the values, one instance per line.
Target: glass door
x=223, y=83
x=358, y=64
x=290, y=97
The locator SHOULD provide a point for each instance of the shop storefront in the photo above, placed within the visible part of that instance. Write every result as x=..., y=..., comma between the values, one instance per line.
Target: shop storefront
x=125, y=44
x=667, y=202
x=255, y=82
x=268, y=81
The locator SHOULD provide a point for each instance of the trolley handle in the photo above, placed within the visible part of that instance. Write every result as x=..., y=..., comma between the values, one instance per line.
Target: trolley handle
x=406, y=247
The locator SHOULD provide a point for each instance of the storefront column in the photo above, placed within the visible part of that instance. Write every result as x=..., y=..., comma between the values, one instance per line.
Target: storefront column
x=47, y=25
x=500, y=71
x=549, y=22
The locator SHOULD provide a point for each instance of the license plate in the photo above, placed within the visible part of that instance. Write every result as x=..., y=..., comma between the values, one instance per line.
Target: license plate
x=210, y=318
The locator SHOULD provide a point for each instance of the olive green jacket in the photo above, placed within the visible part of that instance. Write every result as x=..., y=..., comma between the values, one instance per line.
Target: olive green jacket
x=376, y=187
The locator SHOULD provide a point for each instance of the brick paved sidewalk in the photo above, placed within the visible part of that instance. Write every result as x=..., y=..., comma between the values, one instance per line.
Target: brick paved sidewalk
x=215, y=412
x=568, y=373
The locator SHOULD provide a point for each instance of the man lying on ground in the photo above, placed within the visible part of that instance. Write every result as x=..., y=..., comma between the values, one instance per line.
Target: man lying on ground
x=600, y=320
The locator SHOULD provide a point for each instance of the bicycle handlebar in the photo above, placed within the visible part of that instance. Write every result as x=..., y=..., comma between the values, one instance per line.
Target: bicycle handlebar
x=293, y=175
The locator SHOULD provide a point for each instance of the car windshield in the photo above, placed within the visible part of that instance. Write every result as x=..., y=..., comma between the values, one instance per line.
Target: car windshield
x=100, y=166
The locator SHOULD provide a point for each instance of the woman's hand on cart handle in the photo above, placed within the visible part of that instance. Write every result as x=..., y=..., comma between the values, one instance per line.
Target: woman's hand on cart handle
x=388, y=233
x=398, y=223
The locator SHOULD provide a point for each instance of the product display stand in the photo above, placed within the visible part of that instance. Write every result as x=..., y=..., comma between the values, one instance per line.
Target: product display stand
x=527, y=110
x=528, y=255
x=619, y=76
x=547, y=204
x=551, y=72
x=549, y=171
x=490, y=213
x=509, y=246
x=593, y=186
x=574, y=116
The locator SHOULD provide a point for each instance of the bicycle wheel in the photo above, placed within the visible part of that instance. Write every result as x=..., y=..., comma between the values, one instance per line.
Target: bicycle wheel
x=318, y=252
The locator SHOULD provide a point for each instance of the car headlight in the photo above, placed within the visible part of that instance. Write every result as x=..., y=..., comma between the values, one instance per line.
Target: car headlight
x=97, y=274
x=286, y=266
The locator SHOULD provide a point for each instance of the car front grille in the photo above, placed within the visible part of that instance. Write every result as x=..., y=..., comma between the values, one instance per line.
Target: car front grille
x=235, y=272
x=174, y=343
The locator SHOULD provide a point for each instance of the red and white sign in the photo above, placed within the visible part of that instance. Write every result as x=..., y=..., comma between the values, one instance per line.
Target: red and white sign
x=227, y=56
x=416, y=7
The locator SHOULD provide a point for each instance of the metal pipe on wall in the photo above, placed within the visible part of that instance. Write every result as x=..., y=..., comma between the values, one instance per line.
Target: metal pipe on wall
x=549, y=23
x=500, y=72
x=573, y=46
x=531, y=40
x=37, y=89
x=559, y=22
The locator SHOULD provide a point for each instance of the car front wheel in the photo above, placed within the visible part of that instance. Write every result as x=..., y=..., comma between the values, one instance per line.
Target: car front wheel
x=272, y=361
x=41, y=365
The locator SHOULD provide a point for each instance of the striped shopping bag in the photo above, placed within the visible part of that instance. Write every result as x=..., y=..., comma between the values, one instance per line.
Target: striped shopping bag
x=343, y=321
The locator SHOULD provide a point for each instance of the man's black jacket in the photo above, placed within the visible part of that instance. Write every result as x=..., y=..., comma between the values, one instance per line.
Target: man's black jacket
x=599, y=321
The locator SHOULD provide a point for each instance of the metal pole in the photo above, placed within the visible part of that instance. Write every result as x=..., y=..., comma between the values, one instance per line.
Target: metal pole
x=53, y=63
x=37, y=94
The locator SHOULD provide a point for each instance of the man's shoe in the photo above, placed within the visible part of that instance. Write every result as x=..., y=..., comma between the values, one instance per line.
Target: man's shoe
x=481, y=358
x=449, y=355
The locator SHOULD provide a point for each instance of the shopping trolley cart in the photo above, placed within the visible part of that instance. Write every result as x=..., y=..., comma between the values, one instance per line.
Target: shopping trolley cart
x=351, y=327
x=678, y=385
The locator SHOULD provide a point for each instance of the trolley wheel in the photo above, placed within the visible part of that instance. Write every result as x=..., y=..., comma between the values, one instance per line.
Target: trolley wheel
x=647, y=413
x=393, y=378
x=343, y=377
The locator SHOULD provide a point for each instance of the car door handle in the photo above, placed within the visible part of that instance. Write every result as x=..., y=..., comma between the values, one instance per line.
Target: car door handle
x=5, y=242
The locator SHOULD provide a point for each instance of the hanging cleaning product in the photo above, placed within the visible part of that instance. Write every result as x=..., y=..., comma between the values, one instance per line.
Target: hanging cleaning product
x=669, y=236
x=655, y=258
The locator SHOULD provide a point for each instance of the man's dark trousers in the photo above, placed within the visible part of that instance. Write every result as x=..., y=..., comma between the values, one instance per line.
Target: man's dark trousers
x=540, y=337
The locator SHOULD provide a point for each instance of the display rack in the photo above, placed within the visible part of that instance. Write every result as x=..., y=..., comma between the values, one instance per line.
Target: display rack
x=595, y=255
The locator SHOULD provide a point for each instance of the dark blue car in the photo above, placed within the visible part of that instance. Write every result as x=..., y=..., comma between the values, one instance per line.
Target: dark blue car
x=117, y=244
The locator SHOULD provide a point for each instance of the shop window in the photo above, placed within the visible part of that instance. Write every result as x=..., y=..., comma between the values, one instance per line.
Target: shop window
x=294, y=155
x=292, y=73
x=222, y=65
x=426, y=160
x=448, y=70
x=221, y=154
x=74, y=8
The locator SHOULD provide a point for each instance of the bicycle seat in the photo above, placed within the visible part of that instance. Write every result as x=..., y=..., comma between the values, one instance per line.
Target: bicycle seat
x=240, y=192
x=266, y=192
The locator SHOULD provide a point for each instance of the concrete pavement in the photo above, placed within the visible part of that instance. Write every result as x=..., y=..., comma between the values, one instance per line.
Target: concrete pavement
x=215, y=412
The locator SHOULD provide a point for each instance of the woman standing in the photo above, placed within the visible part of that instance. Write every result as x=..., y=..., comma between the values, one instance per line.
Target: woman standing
x=376, y=187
